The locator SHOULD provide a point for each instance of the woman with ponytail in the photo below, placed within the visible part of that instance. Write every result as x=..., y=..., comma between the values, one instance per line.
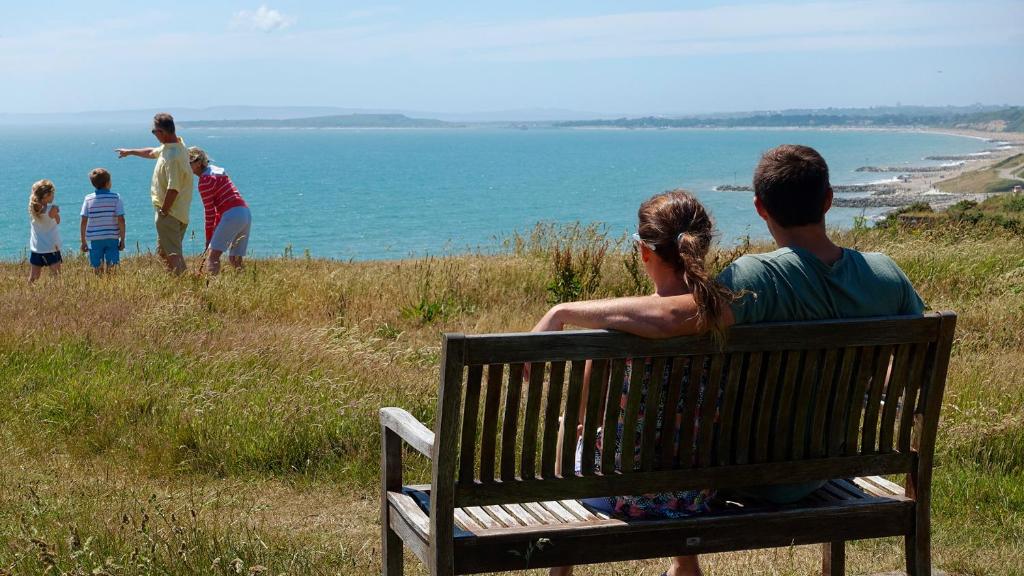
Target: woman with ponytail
x=674, y=236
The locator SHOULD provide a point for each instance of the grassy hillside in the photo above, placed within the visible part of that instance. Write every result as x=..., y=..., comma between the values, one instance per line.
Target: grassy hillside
x=228, y=426
x=998, y=178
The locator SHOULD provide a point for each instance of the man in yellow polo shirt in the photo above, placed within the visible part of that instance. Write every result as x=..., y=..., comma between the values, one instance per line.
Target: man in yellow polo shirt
x=171, y=190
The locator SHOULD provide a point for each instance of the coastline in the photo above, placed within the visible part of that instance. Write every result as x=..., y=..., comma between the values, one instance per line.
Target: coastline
x=921, y=187
x=909, y=185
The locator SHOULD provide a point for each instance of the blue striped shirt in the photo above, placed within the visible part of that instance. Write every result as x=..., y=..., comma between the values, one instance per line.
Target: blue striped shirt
x=102, y=208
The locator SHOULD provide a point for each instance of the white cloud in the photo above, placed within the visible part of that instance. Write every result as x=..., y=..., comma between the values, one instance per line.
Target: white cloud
x=263, y=18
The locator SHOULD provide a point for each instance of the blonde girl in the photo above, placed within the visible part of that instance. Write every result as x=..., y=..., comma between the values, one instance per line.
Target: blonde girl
x=44, y=237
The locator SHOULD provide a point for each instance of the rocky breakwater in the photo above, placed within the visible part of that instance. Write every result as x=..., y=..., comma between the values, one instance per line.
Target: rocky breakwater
x=880, y=188
x=961, y=157
x=907, y=169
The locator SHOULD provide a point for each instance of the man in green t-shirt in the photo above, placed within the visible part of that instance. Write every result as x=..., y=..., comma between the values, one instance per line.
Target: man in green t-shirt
x=808, y=278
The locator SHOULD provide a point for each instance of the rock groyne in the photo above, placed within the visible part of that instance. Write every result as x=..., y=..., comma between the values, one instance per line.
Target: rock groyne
x=881, y=188
x=904, y=169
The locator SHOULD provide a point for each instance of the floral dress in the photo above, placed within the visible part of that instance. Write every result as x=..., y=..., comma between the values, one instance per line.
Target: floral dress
x=675, y=504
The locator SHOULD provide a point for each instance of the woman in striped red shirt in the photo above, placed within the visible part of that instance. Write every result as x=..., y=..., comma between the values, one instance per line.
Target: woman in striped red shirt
x=228, y=219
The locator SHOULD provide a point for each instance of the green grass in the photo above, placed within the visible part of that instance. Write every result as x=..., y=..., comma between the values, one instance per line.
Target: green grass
x=228, y=425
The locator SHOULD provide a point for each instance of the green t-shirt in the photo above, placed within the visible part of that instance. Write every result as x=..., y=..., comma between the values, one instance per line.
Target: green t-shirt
x=791, y=284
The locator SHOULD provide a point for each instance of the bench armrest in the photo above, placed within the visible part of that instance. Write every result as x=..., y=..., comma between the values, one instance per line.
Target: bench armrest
x=409, y=429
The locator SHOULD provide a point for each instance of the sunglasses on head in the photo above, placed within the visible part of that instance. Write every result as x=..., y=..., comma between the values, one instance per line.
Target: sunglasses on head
x=648, y=243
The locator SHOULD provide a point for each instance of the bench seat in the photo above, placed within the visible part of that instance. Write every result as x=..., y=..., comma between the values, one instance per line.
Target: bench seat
x=872, y=506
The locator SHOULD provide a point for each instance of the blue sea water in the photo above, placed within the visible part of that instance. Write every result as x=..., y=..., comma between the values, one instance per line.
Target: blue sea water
x=383, y=194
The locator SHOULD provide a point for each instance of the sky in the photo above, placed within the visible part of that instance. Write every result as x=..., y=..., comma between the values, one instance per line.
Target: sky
x=605, y=56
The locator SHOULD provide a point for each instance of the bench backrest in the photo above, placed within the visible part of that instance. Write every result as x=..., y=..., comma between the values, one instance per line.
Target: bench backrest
x=773, y=403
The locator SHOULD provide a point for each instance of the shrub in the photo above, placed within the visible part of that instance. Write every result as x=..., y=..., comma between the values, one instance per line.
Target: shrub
x=577, y=254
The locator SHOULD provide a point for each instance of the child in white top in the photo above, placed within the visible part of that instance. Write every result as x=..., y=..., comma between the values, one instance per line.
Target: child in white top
x=44, y=239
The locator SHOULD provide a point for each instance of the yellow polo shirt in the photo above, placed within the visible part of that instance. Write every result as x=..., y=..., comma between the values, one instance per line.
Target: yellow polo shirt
x=172, y=172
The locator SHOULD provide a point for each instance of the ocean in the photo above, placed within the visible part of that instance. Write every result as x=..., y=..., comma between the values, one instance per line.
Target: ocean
x=387, y=194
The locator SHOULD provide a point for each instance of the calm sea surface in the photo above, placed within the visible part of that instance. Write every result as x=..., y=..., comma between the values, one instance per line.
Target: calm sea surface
x=381, y=194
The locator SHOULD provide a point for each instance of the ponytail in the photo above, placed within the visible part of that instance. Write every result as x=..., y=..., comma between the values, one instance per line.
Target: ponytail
x=710, y=296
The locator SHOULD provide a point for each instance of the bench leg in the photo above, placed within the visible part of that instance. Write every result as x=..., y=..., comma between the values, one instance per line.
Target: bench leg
x=390, y=479
x=833, y=558
x=391, y=556
x=918, y=550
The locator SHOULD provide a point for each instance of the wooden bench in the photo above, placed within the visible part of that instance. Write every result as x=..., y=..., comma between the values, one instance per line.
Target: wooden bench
x=847, y=400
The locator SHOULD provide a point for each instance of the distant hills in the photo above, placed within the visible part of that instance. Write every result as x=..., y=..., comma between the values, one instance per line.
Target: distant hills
x=333, y=121
x=978, y=117
x=234, y=113
x=1009, y=119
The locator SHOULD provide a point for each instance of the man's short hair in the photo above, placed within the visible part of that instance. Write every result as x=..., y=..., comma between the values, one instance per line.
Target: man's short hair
x=100, y=178
x=164, y=121
x=791, y=181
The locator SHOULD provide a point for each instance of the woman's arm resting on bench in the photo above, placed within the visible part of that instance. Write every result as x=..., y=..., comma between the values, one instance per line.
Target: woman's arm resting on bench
x=647, y=316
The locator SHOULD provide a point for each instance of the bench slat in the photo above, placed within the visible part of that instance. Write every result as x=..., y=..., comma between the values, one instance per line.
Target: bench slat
x=728, y=410
x=481, y=517
x=541, y=513
x=672, y=420
x=690, y=410
x=650, y=425
x=749, y=393
x=819, y=424
x=712, y=395
x=866, y=376
x=531, y=420
x=882, y=374
x=837, y=426
x=810, y=381
x=909, y=401
x=628, y=444
x=465, y=522
x=521, y=515
x=573, y=399
x=549, y=451
x=901, y=373
x=766, y=405
x=784, y=418
x=670, y=480
x=579, y=344
x=612, y=409
x=559, y=511
x=471, y=410
x=492, y=404
x=580, y=511
x=592, y=416
x=510, y=422
x=501, y=516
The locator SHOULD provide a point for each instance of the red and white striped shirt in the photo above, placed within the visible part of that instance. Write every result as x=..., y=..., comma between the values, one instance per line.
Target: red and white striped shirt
x=219, y=195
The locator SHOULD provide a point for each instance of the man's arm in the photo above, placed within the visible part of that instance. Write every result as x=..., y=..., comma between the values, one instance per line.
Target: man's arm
x=120, y=232
x=172, y=194
x=81, y=229
x=140, y=152
x=647, y=316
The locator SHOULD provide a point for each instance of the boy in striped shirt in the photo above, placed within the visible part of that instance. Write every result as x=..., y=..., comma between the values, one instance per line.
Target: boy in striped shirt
x=102, y=223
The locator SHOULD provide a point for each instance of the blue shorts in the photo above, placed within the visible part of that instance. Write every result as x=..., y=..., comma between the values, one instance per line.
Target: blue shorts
x=104, y=250
x=44, y=260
